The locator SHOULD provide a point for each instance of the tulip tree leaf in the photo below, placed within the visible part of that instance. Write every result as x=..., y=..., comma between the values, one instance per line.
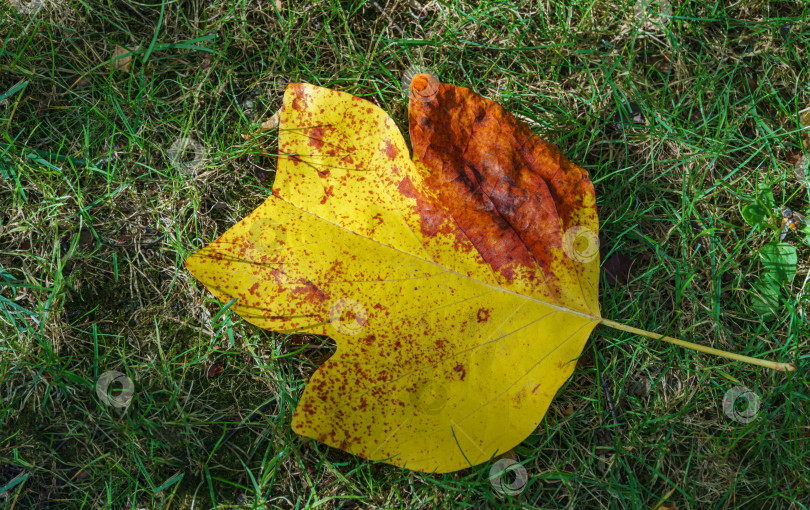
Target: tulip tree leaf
x=460, y=284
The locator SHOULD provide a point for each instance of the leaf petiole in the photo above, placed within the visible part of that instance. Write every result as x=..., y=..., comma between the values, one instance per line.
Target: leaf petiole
x=782, y=367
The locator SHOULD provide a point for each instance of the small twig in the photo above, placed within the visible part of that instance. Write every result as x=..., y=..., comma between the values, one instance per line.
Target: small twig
x=608, y=398
x=604, y=386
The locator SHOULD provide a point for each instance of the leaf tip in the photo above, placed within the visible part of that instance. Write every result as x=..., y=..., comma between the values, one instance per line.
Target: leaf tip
x=192, y=262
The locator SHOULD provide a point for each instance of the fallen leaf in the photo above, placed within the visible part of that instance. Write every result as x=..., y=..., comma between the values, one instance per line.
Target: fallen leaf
x=272, y=122
x=82, y=475
x=86, y=237
x=784, y=31
x=460, y=286
x=569, y=410
x=793, y=157
x=215, y=370
x=628, y=115
x=260, y=173
x=661, y=63
x=667, y=505
x=616, y=269
x=640, y=388
x=122, y=58
x=81, y=83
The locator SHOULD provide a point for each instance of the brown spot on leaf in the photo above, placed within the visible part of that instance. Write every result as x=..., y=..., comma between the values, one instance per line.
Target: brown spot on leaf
x=308, y=291
x=390, y=150
x=316, y=136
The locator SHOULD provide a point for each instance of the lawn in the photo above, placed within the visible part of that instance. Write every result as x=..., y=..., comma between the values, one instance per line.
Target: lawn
x=131, y=137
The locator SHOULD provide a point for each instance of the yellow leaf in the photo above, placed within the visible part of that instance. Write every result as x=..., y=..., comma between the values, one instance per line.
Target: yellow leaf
x=442, y=362
x=460, y=286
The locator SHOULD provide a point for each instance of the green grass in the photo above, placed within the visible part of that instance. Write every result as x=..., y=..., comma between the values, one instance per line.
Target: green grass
x=91, y=252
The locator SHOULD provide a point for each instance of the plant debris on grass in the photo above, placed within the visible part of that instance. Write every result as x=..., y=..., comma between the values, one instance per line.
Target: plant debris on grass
x=122, y=152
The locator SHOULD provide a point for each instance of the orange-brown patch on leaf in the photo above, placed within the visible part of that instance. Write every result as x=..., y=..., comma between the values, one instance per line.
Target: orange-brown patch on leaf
x=316, y=135
x=390, y=150
x=512, y=193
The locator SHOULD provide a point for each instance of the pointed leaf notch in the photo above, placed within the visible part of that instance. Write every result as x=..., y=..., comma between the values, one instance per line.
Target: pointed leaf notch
x=460, y=285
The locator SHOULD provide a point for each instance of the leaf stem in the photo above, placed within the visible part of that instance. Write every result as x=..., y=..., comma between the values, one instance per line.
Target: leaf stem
x=782, y=367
